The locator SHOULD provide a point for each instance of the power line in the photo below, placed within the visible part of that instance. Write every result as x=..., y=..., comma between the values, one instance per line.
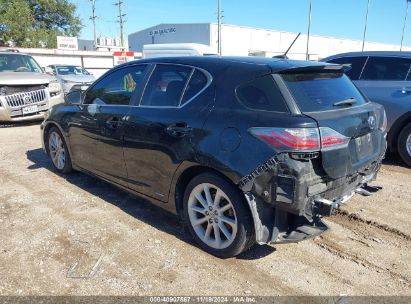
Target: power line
x=307, y=55
x=219, y=26
x=405, y=22
x=121, y=20
x=365, y=26
x=94, y=17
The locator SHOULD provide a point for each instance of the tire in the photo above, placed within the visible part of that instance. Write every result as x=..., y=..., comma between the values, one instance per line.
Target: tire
x=58, y=152
x=222, y=227
x=404, y=144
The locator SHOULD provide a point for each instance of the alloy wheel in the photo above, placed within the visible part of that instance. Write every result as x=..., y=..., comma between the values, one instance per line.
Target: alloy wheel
x=57, y=150
x=212, y=216
x=408, y=144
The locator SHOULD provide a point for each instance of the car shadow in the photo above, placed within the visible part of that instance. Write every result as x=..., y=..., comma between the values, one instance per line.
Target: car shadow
x=7, y=124
x=393, y=159
x=137, y=207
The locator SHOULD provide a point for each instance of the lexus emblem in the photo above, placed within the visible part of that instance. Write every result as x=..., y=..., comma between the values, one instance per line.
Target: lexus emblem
x=372, y=122
x=27, y=99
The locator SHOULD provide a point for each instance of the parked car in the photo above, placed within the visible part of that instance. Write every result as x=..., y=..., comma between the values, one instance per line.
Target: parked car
x=26, y=92
x=385, y=78
x=245, y=150
x=71, y=77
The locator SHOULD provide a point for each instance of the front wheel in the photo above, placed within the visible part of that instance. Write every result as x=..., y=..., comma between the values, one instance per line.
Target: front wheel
x=58, y=152
x=217, y=216
x=404, y=144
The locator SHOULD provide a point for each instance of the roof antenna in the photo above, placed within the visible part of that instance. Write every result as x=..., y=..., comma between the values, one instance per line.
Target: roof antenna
x=284, y=56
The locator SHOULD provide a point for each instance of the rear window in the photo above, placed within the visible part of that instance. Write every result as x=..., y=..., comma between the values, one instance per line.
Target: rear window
x=315, y=92
x=262, y=94
x=166, y=85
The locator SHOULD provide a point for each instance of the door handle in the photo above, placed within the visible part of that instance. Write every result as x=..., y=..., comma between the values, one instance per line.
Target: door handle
x=179, y=129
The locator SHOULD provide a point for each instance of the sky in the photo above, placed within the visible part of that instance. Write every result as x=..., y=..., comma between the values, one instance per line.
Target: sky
x=336, y=18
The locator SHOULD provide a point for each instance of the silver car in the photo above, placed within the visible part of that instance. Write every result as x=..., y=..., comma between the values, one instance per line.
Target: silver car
x=26, y=92
x=71, y=77
x=385, y=78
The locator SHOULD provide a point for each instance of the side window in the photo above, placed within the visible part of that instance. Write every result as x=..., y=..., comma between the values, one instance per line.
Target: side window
x=166, y=85
x=197, y=82
x=386, y=68
x=117, y=88
x=356, y=63
x=262, y=94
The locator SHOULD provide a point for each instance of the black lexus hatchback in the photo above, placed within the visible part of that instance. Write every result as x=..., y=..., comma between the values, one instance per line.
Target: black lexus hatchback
x=244, y=150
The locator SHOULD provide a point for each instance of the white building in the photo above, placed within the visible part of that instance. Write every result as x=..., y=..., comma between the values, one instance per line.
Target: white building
x=245, y=41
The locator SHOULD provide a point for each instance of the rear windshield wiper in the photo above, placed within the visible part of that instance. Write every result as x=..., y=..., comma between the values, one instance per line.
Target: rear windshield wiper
x=346, y=102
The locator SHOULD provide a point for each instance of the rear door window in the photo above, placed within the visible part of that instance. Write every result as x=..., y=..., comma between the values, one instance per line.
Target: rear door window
x=356, y=64
x=262, y=94
x=386, y=68
x=314, y=92
x=166, y=86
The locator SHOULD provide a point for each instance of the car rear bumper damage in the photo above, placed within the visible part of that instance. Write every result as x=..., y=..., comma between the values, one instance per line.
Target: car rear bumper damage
x=288, y=197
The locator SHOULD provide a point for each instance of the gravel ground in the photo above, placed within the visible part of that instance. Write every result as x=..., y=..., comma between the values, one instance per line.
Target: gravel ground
x=74, y=235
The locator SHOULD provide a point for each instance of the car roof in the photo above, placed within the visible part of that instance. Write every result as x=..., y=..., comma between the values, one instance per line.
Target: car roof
x=371, y=53
x=14, y=53
x=274, y=64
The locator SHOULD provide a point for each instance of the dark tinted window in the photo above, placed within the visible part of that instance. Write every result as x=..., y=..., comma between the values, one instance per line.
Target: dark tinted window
x=166, y=86
x=386, y=68
x=197, y=82
x=320, y=91
x=117, y=88
x=356, y=63
x=262, y=94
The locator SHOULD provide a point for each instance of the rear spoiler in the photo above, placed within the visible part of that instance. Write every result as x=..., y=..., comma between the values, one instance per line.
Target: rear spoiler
x=327, y=68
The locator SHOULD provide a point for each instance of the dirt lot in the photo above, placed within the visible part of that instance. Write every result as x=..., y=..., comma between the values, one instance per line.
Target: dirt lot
x=75, y=235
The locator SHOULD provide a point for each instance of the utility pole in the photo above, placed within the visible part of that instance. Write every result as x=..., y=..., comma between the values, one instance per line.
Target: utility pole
x=94, y=17
x=121, y=21
x=365, y=27
x=307, y=55
x=405, y=22
x=219, y=25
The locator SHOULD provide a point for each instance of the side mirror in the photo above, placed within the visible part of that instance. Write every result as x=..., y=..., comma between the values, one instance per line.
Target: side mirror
x=48, y=70
x=74, y=97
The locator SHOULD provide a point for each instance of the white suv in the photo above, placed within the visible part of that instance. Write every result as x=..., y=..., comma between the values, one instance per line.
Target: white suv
x=26, y=92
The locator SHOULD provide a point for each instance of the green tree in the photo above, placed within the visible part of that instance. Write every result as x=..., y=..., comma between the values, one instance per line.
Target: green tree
x=36, y=23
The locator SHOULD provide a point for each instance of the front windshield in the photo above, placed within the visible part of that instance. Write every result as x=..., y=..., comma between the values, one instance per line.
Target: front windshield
x=18, y=63
x=71, y=70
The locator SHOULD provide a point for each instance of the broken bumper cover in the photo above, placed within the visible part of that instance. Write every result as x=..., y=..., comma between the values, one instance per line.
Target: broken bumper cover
x=273, y=226
x=288, y=197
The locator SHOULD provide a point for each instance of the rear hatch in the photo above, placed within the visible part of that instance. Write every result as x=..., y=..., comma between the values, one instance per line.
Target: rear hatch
x=352, y=129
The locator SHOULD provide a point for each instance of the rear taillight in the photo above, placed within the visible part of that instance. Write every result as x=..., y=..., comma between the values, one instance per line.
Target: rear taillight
x=331, y=139
x=289, y=140
x=301, y=139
